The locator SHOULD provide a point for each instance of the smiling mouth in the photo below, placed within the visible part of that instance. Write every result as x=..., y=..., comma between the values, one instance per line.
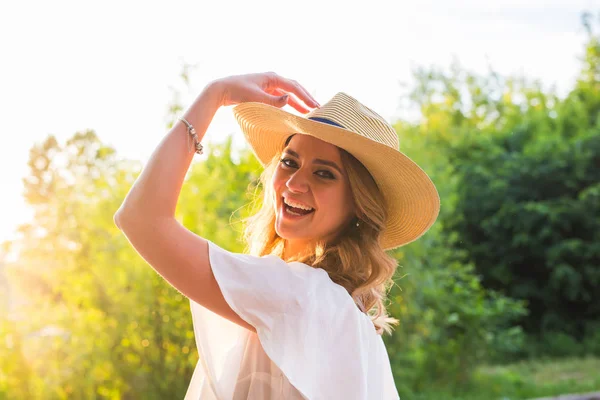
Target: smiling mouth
x=295, y=211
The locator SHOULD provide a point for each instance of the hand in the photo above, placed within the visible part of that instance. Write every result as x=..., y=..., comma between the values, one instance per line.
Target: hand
x=268, y=88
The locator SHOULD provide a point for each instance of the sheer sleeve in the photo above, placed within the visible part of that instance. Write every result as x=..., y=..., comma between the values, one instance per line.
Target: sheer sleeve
x=260, y=290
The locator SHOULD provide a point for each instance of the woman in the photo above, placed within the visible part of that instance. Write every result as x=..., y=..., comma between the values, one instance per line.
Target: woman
x=301, y=316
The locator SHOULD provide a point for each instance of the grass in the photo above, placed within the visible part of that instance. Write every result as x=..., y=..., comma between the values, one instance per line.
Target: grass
x=525, y=380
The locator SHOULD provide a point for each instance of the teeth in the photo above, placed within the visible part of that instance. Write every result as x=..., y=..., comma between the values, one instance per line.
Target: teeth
x=291, y=203
x=291, y=212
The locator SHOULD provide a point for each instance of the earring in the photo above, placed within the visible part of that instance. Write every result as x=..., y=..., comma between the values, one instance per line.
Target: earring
x=357, y=223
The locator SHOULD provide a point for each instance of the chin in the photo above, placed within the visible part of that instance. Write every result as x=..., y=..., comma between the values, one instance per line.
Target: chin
x=291, y=233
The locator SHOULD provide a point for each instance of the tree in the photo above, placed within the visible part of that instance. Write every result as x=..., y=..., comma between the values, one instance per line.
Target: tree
x=519, y=173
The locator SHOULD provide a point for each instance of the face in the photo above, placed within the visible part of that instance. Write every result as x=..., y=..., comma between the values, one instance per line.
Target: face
x=313, y=200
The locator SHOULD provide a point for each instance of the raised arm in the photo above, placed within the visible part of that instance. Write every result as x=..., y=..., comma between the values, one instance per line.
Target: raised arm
x=147, y=215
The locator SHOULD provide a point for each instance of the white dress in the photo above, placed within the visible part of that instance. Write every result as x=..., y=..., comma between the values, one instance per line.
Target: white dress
x=312, y=342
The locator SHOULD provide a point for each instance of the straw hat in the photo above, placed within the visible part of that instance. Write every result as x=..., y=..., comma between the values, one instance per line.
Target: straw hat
x=411, y=198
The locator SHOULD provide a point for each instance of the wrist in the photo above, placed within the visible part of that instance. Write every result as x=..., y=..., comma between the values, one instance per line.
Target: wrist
x=215, y=91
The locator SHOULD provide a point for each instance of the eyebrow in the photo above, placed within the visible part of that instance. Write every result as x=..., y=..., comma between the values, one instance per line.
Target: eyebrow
x=318, y=161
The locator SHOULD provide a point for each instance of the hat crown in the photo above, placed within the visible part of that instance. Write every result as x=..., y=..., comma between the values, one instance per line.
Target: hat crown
x=349, y=113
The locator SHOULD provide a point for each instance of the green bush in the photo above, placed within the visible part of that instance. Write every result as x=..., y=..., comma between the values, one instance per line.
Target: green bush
x=448, y=322
x=591, y=340
x=518, y=170
x=528, y=216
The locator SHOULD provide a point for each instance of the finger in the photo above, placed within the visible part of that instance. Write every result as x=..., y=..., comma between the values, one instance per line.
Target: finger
x=295, y=88
x=292, y=101
x=274, y=100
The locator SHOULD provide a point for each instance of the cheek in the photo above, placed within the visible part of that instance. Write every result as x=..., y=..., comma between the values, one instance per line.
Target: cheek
x=277, y=180
x=337, y=202
x=346, y=205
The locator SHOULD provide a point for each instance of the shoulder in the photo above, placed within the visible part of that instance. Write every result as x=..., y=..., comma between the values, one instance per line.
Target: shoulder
x=329, y=301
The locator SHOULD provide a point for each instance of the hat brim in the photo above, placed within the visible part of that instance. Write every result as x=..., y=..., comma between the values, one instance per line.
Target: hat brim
x=412, y=200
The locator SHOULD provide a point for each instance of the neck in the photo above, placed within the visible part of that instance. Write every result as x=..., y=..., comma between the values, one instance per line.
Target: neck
x=295, y=249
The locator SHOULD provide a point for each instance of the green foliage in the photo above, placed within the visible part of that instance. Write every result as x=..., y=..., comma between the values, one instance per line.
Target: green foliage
x=518, y=174
x=14, y=371
x=523, y=380
x=528, y=201
x=449, y=323
x=526, y=216
x=101, y=322
x=517, y=169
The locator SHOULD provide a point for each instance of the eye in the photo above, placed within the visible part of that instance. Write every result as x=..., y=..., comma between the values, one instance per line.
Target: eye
x=325, y=174
x=322, y=173
x=288, y=162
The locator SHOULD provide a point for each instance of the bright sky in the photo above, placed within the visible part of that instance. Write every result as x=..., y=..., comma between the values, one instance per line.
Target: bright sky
x=108, y=66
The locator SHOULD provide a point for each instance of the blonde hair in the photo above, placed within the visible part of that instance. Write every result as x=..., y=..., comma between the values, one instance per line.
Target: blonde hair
x=354, y=259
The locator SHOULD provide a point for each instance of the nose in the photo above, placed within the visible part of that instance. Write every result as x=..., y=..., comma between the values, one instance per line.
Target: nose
x=297, y=182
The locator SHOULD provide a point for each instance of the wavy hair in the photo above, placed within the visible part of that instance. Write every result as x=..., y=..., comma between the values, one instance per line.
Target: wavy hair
x=354, y=259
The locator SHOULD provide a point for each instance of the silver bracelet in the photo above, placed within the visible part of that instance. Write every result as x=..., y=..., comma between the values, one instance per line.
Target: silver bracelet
x=192, y=134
